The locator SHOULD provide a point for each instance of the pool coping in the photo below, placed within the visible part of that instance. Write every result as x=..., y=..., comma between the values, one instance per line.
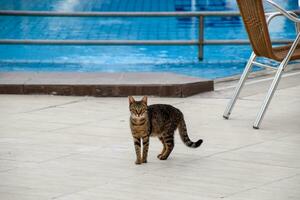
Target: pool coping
x=103, y=84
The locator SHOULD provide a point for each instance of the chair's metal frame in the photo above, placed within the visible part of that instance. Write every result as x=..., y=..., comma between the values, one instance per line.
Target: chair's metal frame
x=293, y=17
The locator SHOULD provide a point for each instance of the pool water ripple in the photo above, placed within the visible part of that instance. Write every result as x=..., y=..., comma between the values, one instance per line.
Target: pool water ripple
x=219, y=61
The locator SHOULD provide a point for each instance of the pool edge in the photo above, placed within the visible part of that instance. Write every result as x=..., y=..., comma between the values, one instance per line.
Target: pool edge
x=103, y=84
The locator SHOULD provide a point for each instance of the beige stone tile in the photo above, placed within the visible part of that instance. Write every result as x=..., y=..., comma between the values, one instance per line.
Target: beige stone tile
x=145, y=187
x=12, y=193
x=23, y=126
x=277, y=153
x=286, y=188
x=55, y=147
x=27, y=103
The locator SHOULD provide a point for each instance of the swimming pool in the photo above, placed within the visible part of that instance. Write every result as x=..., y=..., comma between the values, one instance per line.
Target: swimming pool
x=219, y=61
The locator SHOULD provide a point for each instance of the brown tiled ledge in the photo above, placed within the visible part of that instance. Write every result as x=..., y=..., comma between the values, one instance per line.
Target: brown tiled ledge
x=103, y=84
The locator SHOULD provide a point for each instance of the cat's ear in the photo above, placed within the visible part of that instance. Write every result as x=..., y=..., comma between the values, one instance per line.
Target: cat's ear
x=144, y=100
x=131, y=100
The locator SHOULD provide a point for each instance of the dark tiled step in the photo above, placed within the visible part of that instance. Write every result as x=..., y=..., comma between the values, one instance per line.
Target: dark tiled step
x=103, y=84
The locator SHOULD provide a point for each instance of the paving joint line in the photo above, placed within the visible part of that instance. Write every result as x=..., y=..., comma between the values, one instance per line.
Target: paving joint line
x=246, y=146
x=53, y=106
x=259, y=186
x=259, y=163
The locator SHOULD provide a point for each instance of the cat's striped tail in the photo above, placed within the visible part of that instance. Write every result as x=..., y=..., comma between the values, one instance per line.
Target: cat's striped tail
x=184, y=136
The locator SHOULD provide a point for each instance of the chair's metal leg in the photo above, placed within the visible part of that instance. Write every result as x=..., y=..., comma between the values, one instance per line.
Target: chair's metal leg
x=274, y=84
x=269, y=96
x=239, y=86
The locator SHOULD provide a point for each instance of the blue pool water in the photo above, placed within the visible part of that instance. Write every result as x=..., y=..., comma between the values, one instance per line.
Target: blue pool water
x=219, y=61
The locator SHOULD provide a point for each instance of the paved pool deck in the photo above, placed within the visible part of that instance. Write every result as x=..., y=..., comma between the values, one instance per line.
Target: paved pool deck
x=79, y=148
x=103, y=84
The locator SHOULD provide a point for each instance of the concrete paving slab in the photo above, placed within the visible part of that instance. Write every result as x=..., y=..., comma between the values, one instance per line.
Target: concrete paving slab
x=66, y=147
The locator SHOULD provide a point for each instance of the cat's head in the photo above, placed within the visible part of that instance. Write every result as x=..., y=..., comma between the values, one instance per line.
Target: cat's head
x=138, y=109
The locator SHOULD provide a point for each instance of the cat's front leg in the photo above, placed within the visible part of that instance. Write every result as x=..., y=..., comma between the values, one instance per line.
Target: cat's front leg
x=145, y=148
x=137, y=147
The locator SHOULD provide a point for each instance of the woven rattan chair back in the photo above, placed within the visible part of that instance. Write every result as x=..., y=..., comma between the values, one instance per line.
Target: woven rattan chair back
x=252, y=12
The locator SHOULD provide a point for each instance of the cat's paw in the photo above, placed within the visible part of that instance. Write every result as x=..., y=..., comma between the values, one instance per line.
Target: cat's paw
x=138, y=162
x=144, y=161
x=161, y=157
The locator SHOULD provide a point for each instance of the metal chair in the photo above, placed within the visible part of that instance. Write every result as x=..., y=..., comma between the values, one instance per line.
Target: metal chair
x=256, y=23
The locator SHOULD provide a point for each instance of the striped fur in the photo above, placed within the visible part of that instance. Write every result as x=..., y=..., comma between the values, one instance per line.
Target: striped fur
x=158, y=120
x=185, y=138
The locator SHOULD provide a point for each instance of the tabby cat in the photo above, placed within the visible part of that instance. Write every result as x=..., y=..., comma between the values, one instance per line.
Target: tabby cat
x=156, y=120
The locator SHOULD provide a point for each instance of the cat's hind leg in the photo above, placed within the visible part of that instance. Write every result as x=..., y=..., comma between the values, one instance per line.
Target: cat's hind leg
x=164, y=147
x=168, y=141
